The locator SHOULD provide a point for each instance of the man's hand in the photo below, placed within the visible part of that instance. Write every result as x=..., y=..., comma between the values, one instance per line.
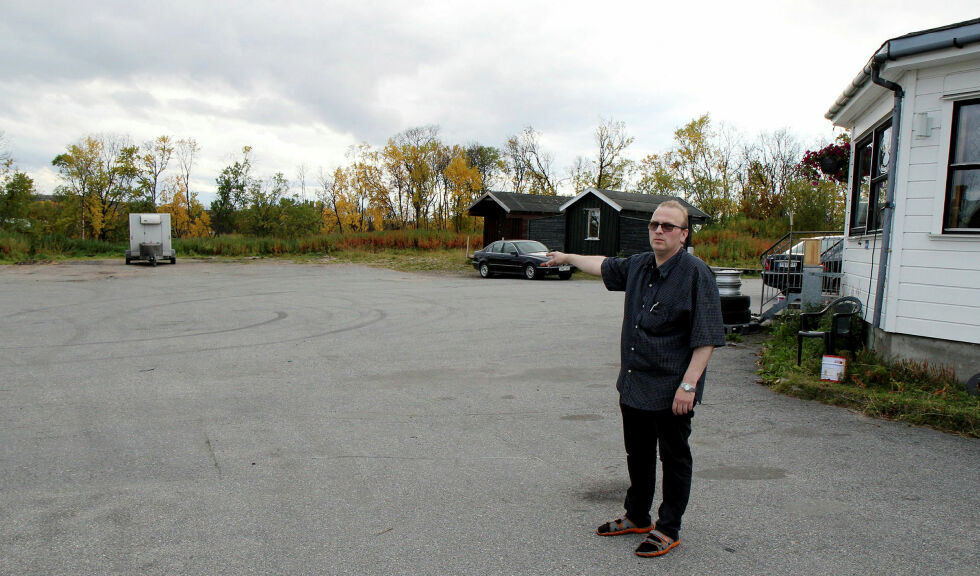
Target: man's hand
x=588, y=264
x=556, y=259
x=683, y=401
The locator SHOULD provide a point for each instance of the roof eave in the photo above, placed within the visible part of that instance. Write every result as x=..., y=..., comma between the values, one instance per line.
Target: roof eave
x=953, y=37
x=596, y=192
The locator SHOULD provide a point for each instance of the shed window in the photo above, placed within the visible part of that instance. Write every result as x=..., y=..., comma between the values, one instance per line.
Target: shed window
x=962, y=212
x=591, y=223
x=870, y=182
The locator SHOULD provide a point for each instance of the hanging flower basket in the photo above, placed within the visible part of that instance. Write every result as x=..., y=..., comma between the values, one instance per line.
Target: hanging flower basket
x=831, y=165
x=832, y=161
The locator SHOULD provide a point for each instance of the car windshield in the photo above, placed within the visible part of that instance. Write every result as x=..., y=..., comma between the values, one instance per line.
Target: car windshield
x=529, y=246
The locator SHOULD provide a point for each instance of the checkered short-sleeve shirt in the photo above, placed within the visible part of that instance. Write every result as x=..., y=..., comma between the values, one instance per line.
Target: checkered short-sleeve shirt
x=668, y=312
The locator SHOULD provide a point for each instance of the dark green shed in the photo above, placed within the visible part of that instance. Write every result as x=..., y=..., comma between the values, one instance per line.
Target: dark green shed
x=614, y=223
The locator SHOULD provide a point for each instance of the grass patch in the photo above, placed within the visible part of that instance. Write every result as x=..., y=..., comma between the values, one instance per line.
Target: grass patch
x=444, y=260
x=23, y=248
x=917, y=393
x=18, y=248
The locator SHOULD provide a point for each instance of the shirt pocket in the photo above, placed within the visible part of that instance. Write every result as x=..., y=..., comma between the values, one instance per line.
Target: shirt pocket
x=654, y=322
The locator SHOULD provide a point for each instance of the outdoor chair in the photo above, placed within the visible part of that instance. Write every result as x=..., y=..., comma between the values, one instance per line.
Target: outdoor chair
x=840, y=325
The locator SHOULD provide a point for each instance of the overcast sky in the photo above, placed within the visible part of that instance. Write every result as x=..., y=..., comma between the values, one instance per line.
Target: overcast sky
x=300, y=81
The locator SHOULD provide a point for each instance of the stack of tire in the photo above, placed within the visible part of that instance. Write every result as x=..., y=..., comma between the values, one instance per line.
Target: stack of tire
x=734, y=306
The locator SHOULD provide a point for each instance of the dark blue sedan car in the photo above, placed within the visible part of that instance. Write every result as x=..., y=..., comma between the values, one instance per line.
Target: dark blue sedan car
x=520, y=257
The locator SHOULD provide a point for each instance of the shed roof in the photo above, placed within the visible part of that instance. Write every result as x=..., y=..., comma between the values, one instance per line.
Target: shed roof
x=634, y=202
x=516, y=202
x=951, y=36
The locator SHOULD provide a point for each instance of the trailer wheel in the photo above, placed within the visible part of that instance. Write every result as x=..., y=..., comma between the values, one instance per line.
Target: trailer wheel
x=173, y=259
x=129, y=261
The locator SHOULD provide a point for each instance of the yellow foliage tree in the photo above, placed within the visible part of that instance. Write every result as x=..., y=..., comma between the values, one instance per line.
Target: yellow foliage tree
x=342, y=212
x=463, y=182
x=193, y=224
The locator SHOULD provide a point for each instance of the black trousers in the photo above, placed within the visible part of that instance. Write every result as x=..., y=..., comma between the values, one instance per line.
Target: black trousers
x=643, y=432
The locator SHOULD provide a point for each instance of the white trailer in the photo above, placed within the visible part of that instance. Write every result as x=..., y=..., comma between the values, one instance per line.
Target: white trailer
x=149, y=239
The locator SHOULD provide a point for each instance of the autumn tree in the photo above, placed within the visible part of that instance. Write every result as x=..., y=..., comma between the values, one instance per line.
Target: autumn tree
x=491, y=164
x=367, y=183
x=152, y=161
x=187, y=150
x=394, y=167
x=417, y=151
x=770, y=166
x=345, y=213
x=461, y=182
x=701, y=167
x=609, y=169
x=101, y=171
x=656, y=176
x=530, y=167
x=327, y=195
x=195, y=223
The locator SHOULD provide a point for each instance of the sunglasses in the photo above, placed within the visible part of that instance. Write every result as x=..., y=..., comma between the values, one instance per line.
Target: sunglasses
x=667, y=227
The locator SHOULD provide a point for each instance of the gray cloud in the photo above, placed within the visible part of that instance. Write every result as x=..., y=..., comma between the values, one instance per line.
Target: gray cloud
x=363, y=71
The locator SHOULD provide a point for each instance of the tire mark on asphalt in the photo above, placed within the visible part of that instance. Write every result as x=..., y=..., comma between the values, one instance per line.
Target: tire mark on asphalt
x=280, y=315
x=207, y=442
x=379, y=316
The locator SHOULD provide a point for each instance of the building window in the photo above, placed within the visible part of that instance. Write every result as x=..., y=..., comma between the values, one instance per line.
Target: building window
x=870, y=182
x=962, y=211
x=591, y=223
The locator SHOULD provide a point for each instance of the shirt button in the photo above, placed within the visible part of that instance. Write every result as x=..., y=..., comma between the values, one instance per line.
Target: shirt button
x=651, y=286
x=629, y=371
x=637, y=326
x=633, y=349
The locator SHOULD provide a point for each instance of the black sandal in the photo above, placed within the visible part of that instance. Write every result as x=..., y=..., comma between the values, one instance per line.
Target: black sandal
x=656, y=544
x=622, y=525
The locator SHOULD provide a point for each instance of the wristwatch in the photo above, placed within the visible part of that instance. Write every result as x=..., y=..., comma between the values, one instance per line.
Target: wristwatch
x=687, y=387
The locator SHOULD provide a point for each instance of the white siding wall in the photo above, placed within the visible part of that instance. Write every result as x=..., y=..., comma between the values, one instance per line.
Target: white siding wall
x=933, y=284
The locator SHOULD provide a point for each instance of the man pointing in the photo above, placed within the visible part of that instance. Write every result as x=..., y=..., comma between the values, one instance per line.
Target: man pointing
x=671, y=323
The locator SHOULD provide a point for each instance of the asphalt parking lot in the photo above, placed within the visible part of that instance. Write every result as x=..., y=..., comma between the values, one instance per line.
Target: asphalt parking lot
x=276, y=418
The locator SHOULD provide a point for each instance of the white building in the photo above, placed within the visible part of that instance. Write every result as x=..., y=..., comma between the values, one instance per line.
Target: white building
x=912, y=234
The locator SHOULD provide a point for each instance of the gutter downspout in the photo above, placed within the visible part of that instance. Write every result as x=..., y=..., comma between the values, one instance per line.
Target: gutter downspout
x=889, y=207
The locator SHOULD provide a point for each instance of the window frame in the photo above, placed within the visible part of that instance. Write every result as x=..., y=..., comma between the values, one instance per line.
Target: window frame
x=953, y=167
x=877, y=179
x=588, y=223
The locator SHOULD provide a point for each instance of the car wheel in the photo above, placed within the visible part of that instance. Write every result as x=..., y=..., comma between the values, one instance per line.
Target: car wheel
x=484, y=270
x=530, y=272
x=564, y=275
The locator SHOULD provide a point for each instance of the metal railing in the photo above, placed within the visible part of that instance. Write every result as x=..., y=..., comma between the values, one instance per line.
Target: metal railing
x=782, y=270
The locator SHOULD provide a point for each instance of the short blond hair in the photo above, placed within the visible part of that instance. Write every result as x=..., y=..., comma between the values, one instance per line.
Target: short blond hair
x=677, y=205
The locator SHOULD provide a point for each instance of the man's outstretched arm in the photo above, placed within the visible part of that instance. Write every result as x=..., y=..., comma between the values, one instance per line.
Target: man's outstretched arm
x=588, y=264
